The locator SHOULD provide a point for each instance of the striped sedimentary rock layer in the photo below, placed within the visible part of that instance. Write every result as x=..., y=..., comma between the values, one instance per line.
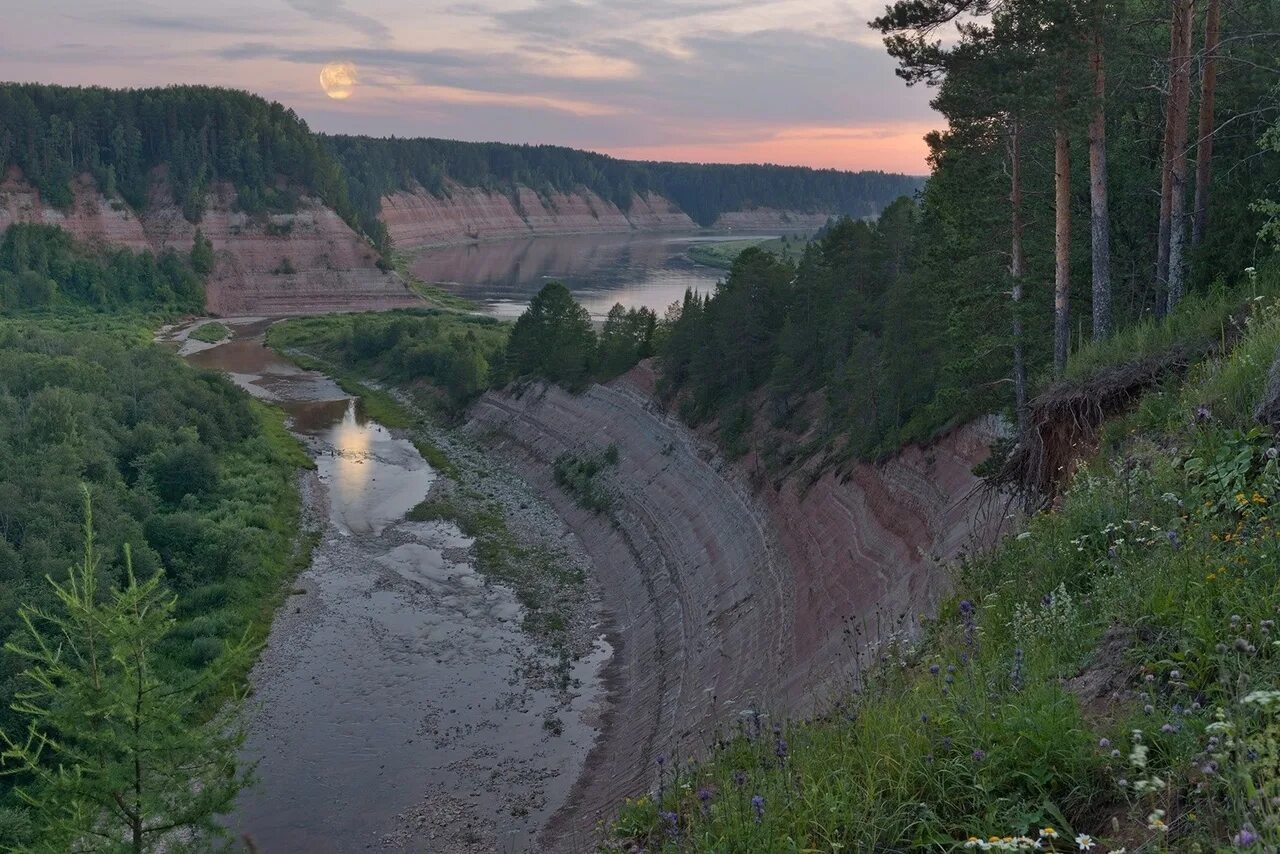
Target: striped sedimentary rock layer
x=722, y=597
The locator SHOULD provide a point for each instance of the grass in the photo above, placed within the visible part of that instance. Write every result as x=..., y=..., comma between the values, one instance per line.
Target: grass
x=1201, y=320
x=722, y=253
x=1158, y=574
x=402, y=262
x=211, y=332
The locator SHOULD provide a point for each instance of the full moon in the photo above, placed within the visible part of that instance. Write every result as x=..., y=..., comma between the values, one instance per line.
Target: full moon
x=338, y=80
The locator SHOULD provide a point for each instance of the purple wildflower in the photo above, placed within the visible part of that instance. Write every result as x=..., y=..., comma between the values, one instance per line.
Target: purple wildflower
x=1173, y=539
x=705, y=796
x=1104, y=743
x=933, y=669
x=781, y=749
x=739, y=778
x=673, y=823
x=979, y=755
x=1245, y=838
x=757, y=804
x=1202, y=414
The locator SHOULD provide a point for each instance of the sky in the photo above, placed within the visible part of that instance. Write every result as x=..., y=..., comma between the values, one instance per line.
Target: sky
x=798, y=82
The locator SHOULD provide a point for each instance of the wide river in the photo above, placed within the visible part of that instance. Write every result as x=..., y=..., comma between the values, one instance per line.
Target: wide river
x=391, y=706
x=651, y=270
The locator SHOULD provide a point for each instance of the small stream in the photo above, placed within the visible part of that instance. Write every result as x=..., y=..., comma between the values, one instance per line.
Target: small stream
x=393, y=706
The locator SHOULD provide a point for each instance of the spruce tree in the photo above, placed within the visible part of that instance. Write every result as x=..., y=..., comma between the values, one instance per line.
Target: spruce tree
x=116, y=756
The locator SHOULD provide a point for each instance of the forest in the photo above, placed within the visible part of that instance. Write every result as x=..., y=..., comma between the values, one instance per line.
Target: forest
x=970, y=297
x=148, y=518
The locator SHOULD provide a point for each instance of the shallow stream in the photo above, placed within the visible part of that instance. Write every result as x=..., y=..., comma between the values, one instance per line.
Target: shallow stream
x=393, y=705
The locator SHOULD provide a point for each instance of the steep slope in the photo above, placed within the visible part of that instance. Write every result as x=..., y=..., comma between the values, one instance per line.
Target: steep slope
x=418, y=218
x=288, y=263
x=724, y=599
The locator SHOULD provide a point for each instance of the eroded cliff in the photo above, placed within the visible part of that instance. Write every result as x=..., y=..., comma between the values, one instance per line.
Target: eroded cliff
x=304, y=262
x=723, y=598
x=463, y=214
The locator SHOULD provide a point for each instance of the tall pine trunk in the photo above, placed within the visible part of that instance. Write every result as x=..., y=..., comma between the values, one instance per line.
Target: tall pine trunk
x=1099, y=216
x=1177, y=114
x=1017, y=268
x=1061, y=248
x=1204, y=132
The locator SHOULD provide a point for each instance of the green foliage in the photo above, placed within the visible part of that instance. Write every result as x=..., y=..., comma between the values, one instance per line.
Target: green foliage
x=112, y=753
x=459, y=354
x=1155, y=576
x=627, y=337
x=41, y=266
x=197, y=476
x=210, y=333
x=847, y=323
x=553, y=339
x=201, y=257
x=198, y=135
x=583, y=476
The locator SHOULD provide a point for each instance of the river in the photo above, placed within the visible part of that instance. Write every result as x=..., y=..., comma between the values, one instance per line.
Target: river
x=636, y=270
x=392, y=706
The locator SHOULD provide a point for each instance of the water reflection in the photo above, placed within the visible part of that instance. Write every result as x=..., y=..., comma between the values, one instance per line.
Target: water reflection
x=636, y=270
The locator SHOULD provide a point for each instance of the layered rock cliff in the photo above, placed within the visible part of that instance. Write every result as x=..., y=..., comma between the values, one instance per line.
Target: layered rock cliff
x=724, y=598
x=466, y=214
x=298, y=263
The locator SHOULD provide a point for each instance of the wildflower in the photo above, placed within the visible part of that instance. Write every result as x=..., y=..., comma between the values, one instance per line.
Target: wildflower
x=1084, y=842
x=1104, y=743
x=1155, y=821
x=1175, y=674
x=1173, y=539
x=973, y=842
x=739, y=778
x=1245, y=838
x=1048, y=833
x=1202, y=414
x=965, y=606
x=781, y=749
x=933, y=669
x=757, y=804
x=673, y=823
x=1265, y=699
x=979, y=755
x=1168, y=728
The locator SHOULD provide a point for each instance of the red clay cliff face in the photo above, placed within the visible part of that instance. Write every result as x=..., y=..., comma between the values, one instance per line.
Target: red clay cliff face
x=465, y=214
x=723, y=598
x=306, y=262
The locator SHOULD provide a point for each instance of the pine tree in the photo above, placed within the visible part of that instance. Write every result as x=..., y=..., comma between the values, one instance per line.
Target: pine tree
x=115, y=756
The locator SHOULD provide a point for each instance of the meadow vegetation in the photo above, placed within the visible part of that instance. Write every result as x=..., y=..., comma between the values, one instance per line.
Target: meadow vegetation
x=1108, y=675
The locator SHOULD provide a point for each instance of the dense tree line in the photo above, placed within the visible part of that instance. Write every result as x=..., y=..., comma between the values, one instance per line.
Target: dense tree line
x=197, y=134
x=378, y=167
x=1106, y=154
x=180, y=464
x=41, y=266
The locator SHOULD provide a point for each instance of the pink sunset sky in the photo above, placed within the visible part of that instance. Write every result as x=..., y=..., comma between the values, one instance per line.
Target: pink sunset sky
x=802, y=82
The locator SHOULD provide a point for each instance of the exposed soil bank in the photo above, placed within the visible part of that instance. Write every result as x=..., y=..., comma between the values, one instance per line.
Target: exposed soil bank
x=723, y=598
x=305, y=262
x=469, y=214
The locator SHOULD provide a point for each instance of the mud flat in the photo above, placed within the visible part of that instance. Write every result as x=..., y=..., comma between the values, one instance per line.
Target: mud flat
x=723, y=598
x=398, y=703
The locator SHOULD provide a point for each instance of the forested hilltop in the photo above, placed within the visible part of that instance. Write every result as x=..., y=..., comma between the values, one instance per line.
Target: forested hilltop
x=378, y=167
x=197, y=136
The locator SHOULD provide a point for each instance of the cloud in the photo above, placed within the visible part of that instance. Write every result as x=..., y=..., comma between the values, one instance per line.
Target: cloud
x=336, y=12
x=190, y=24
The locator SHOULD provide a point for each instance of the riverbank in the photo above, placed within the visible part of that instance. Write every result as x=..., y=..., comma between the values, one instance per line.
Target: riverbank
x=723, y=597
x=400, y=686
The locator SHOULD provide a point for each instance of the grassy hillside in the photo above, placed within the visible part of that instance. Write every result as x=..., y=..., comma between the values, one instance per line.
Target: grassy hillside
x=1109, y=674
